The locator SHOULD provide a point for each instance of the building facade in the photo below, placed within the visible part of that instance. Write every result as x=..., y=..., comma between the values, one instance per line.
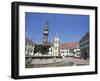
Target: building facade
x=56, y=45
x=51, y=51
x=70, y=49
x=84, y=46
x=54, y=49
x=77, y=53
x=29, y=47
x=64, y=52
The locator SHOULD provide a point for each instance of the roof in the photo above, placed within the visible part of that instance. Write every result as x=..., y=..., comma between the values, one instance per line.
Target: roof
x=29, y=41
x=70, y=45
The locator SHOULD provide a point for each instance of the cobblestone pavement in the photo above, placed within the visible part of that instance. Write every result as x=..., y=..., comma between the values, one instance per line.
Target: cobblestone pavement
x=69, y=61
x=78, y=61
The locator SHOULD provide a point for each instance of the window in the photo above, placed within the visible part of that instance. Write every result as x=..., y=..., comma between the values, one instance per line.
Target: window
x=51, y=50
x=28, y=50
x=66, y=51
x=32, y=45
x=31, y=51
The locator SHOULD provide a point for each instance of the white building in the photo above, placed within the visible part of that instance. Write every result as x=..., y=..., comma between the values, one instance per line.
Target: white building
x=64, y=52
x=51, y=51
x=54, y=50
x=29, y=47
x=56, y=45
x=70, y=49
x=77, y=52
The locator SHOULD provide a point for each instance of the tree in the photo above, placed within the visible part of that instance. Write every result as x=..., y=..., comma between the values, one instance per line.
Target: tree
x=43, y=49
x=36, y=49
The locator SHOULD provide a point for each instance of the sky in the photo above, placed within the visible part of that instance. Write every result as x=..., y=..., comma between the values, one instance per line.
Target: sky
x=70, y=28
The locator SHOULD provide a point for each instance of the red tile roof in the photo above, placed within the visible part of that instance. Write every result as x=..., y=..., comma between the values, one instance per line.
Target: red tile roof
x=70, y=45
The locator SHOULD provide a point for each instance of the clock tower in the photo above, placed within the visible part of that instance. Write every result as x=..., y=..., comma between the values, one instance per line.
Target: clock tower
x=45, y=34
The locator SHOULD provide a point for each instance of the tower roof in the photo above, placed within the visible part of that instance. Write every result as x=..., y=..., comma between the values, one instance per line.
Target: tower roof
x=57, y=34
x=46, y=26
x=47, y=22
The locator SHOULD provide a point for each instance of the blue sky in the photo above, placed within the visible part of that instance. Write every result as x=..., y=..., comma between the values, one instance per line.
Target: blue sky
x=70, y=28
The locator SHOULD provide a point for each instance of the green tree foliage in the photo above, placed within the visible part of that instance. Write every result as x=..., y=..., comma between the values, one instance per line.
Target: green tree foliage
x=43, y=49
